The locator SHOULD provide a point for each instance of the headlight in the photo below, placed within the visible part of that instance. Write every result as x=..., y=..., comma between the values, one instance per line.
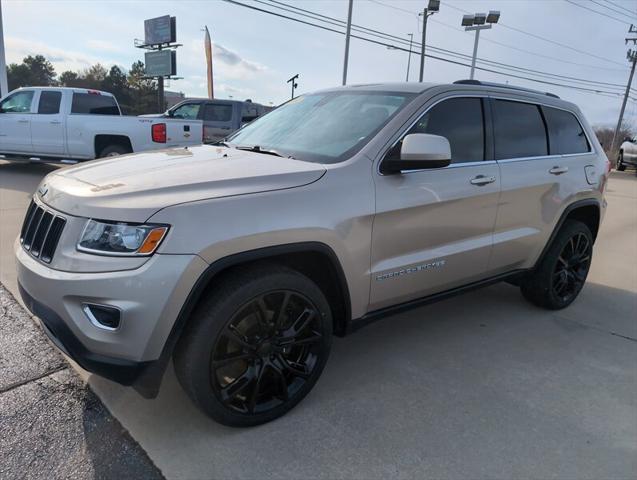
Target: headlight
x=116, y=238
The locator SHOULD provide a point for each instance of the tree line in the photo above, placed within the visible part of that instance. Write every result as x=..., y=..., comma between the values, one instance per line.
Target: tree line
x=135, y=93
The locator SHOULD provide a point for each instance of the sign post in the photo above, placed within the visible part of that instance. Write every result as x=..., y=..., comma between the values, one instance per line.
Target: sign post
x=4, y=84
x=160, y=61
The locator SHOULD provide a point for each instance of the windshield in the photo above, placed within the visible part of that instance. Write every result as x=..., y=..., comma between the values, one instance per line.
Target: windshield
x=323, y=127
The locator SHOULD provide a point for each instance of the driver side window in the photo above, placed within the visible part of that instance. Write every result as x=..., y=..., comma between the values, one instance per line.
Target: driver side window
x=189, y=111
x=19, y=102
x=459, y=120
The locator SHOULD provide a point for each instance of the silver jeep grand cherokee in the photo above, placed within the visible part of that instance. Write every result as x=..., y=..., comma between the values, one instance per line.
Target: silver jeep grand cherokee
x=240, y=261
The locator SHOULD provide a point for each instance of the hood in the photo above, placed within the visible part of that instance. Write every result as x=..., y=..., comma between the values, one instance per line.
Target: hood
x=133, y=187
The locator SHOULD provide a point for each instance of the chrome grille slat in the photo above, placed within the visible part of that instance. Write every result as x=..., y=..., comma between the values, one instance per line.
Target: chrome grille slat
x=41, y=232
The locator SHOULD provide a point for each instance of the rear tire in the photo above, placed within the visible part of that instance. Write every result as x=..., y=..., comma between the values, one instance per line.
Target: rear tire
x=255, y=346
x=113, y=151
x=621, y=166
x=560, y=275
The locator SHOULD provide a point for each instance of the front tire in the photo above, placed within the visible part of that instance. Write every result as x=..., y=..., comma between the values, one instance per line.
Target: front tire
x=256, y=346
x=560, y=275
x=621, y=166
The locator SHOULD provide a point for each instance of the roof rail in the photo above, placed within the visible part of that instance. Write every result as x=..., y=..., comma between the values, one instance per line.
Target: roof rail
x=503, y=85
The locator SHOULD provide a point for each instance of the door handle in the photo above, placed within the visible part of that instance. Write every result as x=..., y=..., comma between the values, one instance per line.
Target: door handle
x=481, y=180
x=55, y=122
x=23, y=121
x=558, y=170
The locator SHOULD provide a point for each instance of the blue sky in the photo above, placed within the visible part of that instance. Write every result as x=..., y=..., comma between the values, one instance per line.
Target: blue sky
x=255, y=53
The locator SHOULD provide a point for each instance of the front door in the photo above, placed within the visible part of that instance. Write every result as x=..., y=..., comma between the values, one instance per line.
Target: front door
x=47, y=125
x=15, y=122
x=433, y=228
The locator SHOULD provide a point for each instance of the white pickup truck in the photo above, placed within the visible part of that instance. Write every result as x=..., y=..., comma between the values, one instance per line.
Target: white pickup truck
x=51, y=123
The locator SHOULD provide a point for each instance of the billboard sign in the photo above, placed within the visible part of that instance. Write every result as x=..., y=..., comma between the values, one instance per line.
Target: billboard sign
x=160, y=30
x=161, y=63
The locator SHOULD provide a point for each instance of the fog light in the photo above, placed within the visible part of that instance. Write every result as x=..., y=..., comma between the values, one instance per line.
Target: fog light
x=102, y=316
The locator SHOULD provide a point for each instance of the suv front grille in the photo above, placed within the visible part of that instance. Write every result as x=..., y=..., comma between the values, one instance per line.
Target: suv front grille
x=41, y=232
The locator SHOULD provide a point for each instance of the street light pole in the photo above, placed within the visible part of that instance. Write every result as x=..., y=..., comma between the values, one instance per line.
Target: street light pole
x=478, y=22
x=432, y=7
x=411, y=40
x=4, y=84
x=347, y=36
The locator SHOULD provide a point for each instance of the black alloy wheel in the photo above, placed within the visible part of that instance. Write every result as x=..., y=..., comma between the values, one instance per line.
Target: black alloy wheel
x=256, y=344
x=572, y=267
x=266, y=352
x=560, y=274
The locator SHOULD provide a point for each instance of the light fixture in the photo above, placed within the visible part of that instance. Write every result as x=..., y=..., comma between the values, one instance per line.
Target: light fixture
x=467, y=20
x=494, y=16
x=434, y=5
x=480, y=19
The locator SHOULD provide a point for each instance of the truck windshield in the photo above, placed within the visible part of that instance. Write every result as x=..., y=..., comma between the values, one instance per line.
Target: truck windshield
x=324, y=127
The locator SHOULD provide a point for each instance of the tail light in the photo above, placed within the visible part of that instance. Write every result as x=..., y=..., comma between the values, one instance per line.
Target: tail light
x=159, y=132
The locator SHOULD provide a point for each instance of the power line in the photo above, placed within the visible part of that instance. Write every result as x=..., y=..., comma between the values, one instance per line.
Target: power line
x=572, y=87
x=595, y=11
x=385, y=36
x=610, y=8
x=598, y=57
x=623, y=8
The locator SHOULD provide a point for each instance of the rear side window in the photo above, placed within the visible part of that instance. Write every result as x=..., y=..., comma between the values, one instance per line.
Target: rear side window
x=49, y=102
x=519, y=130
x=566, y=134
x=217, y=113
x=459, y=120
x=187, y=111
x=94, y=103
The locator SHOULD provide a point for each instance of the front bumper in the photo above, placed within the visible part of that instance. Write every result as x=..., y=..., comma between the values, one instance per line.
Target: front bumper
x=149, y=297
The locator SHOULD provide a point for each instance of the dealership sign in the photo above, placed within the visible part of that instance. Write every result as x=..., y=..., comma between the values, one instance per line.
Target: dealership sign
x=161, y=63
x=160, y=30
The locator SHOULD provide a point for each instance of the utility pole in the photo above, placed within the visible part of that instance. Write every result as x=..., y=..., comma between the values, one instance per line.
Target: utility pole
x=432, y=7
x=4, y=84
x=631, y=55
x=294, y=84
x=347, y=35
x=411, y=40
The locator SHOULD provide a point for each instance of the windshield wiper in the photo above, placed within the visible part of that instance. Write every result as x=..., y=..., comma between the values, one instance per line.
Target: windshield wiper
x=220, y=143
x=258, y=149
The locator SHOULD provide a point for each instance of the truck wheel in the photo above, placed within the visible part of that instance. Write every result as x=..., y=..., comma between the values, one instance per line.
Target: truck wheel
x=255, y=346
x=561, y=274
x=620, y=162
x=113, y=151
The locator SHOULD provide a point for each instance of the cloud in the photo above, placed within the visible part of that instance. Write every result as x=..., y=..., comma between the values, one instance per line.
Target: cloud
x=232, y=59
x=62, y=59
x=103, y=46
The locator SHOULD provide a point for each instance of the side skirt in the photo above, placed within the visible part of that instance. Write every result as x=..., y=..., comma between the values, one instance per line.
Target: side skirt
x=371, y=317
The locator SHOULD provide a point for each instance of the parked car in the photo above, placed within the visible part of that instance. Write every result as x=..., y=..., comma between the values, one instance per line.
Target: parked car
x=627, y=155
x=220, y=117
x=54, y=123
x=240, y=261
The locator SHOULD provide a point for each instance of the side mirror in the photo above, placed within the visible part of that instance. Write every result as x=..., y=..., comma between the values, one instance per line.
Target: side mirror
x=628, y=139
x=420, y=151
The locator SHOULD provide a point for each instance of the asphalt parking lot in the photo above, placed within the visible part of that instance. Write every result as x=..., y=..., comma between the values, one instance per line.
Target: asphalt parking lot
x=479, y=386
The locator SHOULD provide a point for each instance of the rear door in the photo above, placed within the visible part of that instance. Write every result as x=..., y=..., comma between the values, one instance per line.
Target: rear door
x=433, y=228
x=217, y=121
x=541, y=173
x=15, y=122
x=48, y=124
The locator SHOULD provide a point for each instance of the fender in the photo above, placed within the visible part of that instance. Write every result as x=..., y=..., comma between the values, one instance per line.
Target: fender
x=149, y=380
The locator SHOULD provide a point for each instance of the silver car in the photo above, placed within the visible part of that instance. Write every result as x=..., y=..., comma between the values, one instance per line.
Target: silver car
x=240, y=261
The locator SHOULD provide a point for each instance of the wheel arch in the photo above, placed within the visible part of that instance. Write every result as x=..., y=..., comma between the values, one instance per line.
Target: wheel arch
x=587, y=211
x=309, y=258
x=102, y=141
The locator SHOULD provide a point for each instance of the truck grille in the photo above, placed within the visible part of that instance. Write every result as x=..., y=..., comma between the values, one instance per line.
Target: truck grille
x=41, y=232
